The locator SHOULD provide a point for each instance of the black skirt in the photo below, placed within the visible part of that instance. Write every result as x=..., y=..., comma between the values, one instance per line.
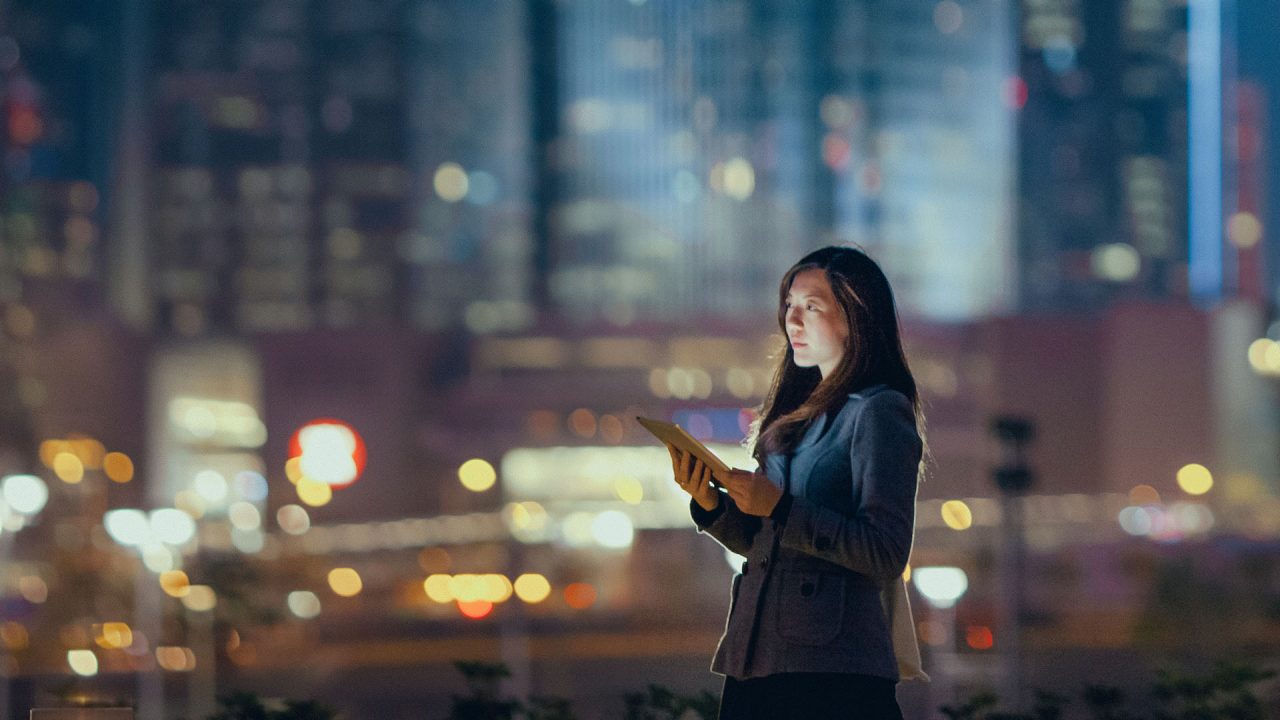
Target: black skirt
x=810, y=696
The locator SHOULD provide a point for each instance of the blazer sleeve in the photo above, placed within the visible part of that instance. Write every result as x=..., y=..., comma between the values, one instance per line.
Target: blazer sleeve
x=729, y=526
x=884, y=457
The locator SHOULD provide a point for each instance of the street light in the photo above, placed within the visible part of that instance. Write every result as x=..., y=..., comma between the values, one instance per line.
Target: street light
x=1013, y=476
x=942, y=587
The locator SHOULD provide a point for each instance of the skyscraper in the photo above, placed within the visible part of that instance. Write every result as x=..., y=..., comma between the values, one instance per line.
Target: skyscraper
x=919, y=127
x=55, y=96
x=1102, y=167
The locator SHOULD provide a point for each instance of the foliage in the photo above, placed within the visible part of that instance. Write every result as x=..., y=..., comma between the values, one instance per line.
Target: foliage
x=247, y=706
x=1227, y=693
x=484, y=703
x=660, y=703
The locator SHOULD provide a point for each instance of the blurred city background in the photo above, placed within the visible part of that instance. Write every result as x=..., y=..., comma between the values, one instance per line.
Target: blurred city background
x=325, y=323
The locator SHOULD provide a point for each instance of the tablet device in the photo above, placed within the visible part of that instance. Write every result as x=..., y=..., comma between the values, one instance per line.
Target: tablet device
x=675, y=435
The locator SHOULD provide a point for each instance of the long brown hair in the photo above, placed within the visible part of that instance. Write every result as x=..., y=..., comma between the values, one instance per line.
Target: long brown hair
x=872, y=354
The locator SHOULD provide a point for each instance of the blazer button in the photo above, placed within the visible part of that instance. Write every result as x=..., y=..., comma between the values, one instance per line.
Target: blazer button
x=821, y=543
x=764, y=562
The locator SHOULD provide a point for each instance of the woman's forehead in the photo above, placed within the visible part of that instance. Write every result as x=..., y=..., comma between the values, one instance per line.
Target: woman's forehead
x=811, y=282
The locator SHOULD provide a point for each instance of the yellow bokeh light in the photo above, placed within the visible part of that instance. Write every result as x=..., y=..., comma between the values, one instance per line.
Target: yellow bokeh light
x=437, y=588
x=293, y=469
x=906, y=573
x=532, y=588
x=957, y=515
x=68, y=467
x=345, y=582
x=175, y=583
x=118, y=467
x=629, y=490
x=497, y=588
x=1195, y=479
x=1244, y=230
x=1264, y=355
x=200, y=598
x=739, y=179
x=1243, y=488
x=1258, y=353
x=113, y=635
x=314, y=493
x=467, y=587
x=477, y=475
x=450, y=182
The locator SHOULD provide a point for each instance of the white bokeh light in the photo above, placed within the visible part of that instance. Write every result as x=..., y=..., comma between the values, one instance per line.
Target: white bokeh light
x=172, y=526
x=25, y=494
x=127, y=526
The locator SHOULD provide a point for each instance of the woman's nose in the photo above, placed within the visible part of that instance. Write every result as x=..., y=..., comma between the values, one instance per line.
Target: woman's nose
x=793, y=317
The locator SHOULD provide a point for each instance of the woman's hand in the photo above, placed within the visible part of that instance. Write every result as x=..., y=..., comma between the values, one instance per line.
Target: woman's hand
x=694, y=478
x=753, y=493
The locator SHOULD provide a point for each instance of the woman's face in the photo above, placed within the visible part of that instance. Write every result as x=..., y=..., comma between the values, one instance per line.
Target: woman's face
x=816, y=327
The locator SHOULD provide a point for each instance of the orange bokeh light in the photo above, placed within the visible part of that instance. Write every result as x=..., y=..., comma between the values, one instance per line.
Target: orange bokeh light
x=475, y=609
x=579, y=595
x=979, y=637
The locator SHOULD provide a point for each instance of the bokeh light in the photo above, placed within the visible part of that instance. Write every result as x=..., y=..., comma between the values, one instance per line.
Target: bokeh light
x=580, y=596
x=330, y=452
x=82, y=662
x=304, y=604
x=68, y=468
x=1144, y=495
x=200, y=598
x=941, y=586
x=176, y=659
x=113, y=635
x=314, y=493
x=127, y=526
x=175, y=583
x=957, y=515
x=25, y=494
x=1195, y=479
x=477, y=475
x=979, y=637
x=172, y=526
x=532, y=588
x=475, y=609
x=293, y=519
x=345, y=582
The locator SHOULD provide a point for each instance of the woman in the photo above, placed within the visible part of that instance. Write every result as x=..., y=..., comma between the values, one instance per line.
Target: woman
x=831, y=518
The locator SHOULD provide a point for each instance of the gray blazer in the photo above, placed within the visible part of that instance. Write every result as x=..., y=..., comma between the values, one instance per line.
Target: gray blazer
x=808, y=597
